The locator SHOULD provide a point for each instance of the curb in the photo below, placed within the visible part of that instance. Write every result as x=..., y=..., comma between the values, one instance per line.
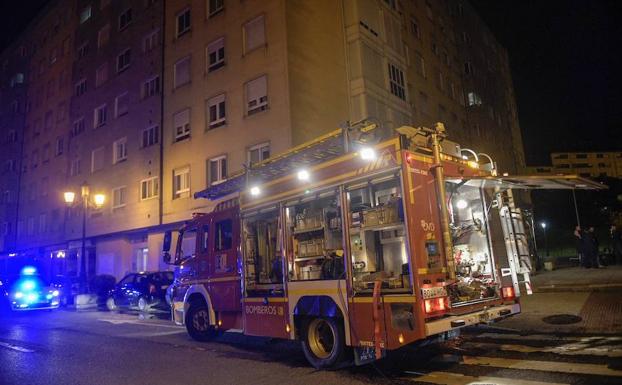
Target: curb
x=578, y=288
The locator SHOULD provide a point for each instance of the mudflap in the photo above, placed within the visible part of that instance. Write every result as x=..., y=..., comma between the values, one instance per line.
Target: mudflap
x=366, y=354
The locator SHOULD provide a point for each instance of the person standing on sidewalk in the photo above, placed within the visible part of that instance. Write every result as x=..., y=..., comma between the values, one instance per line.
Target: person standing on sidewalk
x=616, y=243
x=592, y=248
x=578, y=241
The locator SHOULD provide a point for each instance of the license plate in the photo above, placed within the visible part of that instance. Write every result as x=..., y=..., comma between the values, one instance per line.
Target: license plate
x=365, y=355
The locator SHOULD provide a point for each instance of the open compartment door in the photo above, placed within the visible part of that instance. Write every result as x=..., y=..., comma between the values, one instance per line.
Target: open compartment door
x=517, y=266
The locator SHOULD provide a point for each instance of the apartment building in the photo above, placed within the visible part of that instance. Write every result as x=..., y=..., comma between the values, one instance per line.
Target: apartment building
x=590, y=164
x=13, y=63
x=115, y=132
x=168, y=98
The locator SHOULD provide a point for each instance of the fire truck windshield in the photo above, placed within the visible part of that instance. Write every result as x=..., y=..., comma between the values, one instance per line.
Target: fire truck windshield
x=186, y=244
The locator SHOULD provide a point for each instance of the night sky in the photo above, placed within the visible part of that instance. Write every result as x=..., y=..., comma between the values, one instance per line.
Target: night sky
x=566, y=63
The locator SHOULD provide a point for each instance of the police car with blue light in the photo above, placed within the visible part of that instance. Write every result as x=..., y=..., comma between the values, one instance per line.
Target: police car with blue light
x=28, y=291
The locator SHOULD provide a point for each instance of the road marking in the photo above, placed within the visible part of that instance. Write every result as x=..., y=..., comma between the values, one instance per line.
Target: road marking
x=570, y=349
x=545, y=337
x=136, y=322
x=445, y=378
x=15, y=347
x=546, y=366
x=156, y=334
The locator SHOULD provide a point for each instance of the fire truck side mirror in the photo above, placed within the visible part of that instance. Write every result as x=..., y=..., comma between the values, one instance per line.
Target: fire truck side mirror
x=166, y=247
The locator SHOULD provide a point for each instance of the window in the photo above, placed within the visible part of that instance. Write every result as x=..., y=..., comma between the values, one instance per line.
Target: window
x=216, y=114
x=103, y=36
x=100, y=116
x=80, y=87
x=149, y=188
x=123, y=60
x=256, y=95
x=440, y=81
x=42, y=223
x=416, y=31
x=217, y=170
x=396, y=82
x=85, y=14
x=182, y=72
x=149, y=136
x=45, y=153
x=101, y=75
x=125, y=19
x=66, y=45
x=224, y=235
x=97, y=159
x=392, y=4
x=420, y=64
x=9, y=165
x=254, y=34
x=78, y=127
x=60, y=146
x=121, y=104
x=183, y=22
x=258, y=153
x=119, y=197
x=216, y=55
x=119, y=150
x=474, y=99
x=5, y=229
x=215, y=6
x=11, y=136
x=181, y=124
x=35, y=158
x=151, y=87
x=468, y=69
x=48, y=122
x=83, y=50
x=151, y=40
x=61, y=110
x=181, y=183
x=74, y=169
x=53, y=55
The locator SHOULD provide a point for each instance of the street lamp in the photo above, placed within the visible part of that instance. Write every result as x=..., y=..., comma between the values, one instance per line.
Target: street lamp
x=98, y=201
x=546, y=243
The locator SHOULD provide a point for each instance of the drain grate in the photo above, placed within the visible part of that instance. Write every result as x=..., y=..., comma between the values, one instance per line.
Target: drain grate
x=562, y=319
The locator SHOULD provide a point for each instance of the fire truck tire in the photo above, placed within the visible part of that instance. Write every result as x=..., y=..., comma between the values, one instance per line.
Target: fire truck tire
x=324, y=342
x=197, y=322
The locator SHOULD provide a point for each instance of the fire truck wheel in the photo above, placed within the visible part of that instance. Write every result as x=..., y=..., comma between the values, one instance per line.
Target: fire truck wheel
x=324, y=342
x=197, y=322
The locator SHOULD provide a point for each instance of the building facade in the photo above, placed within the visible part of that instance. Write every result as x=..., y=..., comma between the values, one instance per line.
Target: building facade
x=587, y=164
x=167, y=98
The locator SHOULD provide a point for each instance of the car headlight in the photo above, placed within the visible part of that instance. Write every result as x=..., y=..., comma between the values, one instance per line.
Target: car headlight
x=55, y=293
x=19, y=295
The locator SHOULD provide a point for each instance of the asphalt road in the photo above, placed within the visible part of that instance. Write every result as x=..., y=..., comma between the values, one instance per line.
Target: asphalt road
x=63, y=347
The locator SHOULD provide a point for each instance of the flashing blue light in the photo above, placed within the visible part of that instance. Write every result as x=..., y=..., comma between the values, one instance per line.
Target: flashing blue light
x=19, y=295
x=29, y=270
x=32, y=297
x=28, y=285
x=55, y=293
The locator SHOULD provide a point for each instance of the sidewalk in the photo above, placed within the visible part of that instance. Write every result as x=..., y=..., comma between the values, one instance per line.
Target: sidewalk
x=578, y=279
x=580, y=301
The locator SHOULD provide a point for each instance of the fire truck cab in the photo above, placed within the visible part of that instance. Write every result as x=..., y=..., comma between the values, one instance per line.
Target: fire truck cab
x=356, y=246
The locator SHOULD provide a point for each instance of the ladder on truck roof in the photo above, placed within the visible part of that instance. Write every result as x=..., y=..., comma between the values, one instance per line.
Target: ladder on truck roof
x=516, y=242
x=310, y=153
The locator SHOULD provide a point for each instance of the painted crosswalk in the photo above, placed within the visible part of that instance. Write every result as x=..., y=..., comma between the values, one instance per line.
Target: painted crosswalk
x=510, y=359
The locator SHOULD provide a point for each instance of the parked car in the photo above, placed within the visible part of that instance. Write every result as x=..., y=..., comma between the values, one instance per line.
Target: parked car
x=67, y=286
x=144, y=291
x=28, y=291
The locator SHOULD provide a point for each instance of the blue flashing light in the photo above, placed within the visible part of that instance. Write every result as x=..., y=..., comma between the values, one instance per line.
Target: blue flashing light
x=32, y=297
x=29, y=270
x=28, y=285
x=19, y=295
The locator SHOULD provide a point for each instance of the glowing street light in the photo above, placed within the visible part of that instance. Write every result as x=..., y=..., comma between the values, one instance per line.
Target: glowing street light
x=98, y=201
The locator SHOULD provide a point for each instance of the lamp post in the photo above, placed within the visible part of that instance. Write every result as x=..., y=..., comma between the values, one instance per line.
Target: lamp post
x=546, y=243
x=98, y=201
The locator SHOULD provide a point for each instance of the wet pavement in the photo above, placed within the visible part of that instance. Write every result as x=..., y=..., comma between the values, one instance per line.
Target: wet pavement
x=64, y=347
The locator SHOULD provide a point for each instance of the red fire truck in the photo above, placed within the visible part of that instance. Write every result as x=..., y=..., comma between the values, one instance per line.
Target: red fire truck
x=353, y=244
